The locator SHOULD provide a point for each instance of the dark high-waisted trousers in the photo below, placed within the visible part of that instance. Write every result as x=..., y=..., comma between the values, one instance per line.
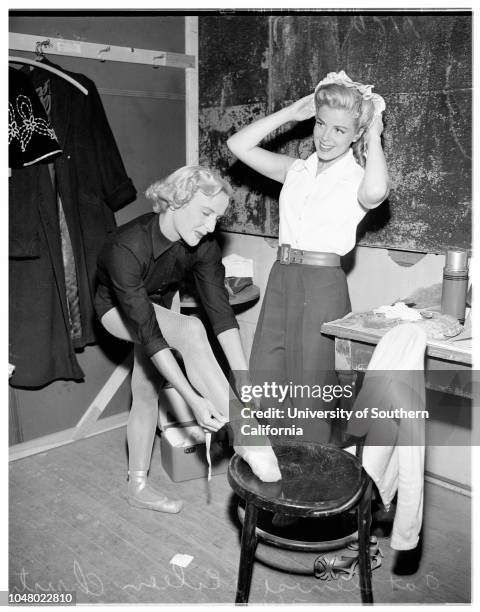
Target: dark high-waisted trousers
x=288, y=345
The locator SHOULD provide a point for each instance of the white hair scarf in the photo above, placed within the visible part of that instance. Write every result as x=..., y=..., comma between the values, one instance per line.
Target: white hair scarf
x=341, y=78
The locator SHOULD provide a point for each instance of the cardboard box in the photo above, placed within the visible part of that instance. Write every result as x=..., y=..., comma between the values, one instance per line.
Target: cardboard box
x=182, y=442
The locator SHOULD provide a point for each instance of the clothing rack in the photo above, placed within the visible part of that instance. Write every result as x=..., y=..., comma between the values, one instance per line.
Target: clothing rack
x=99, y=51
x=38, y=44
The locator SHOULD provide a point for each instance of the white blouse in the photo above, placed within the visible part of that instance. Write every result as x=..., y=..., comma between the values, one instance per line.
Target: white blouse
x=321, y=212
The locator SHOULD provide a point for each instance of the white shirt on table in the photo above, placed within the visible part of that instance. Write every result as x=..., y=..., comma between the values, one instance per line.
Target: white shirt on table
x=321, y=212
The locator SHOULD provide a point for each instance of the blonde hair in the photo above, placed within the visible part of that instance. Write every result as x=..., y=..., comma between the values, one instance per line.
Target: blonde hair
x=336, y=95
x=178, y=188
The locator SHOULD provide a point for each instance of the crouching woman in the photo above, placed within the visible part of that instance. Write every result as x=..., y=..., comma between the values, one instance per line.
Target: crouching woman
x=139, y=269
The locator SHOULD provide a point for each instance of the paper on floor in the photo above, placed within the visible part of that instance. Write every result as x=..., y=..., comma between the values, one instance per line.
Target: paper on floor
x=181, y=560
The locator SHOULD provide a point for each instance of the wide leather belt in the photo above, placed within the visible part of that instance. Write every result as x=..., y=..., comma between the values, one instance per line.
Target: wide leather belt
x=286, y=255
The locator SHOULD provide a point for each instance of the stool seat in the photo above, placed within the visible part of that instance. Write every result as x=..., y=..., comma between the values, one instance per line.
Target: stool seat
x=317, y=480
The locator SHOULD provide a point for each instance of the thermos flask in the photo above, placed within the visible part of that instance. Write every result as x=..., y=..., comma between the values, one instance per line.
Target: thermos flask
x=455, y=283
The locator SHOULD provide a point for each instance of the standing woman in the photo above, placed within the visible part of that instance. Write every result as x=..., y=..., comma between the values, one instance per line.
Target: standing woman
x=322, y=200
x=139, y=270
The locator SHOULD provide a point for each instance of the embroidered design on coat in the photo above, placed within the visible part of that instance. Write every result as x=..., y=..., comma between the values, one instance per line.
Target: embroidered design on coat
x=29, y=122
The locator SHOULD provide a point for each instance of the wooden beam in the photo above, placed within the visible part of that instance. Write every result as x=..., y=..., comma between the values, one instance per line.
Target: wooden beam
x=101, y=52
x=448, y=483
x=93, y=412
x=60, y=438
x=191, y=92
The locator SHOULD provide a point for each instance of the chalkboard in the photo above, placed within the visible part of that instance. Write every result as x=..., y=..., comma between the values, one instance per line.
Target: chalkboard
x=420, y=63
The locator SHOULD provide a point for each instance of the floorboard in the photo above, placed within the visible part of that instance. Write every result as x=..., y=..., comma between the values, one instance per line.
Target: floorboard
x=71, y=528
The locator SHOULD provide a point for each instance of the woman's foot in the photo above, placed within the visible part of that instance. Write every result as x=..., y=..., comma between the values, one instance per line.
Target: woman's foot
x=142, y=495
x=262, y=461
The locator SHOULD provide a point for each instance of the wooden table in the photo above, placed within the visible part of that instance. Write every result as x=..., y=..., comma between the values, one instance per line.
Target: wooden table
x=447, y=364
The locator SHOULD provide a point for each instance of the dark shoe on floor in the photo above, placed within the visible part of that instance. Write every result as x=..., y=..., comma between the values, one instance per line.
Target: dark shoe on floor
x=407, y=561
x=283, y=520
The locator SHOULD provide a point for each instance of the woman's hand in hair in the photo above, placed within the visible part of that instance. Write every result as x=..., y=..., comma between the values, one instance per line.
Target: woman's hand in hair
x=376, y=128
x=302, y=109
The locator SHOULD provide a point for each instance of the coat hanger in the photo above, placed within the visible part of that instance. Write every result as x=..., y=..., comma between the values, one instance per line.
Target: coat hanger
x=23, y=60
x=38, y=63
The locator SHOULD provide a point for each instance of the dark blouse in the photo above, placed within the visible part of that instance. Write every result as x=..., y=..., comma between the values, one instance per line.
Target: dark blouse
x=138, y=265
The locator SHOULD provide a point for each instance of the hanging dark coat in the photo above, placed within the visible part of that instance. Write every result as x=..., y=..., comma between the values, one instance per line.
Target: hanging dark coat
x=92, y=183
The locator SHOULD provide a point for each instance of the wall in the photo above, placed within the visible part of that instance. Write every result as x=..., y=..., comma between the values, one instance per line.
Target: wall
x=251, y=65
x=146, y=110
x=373, y=279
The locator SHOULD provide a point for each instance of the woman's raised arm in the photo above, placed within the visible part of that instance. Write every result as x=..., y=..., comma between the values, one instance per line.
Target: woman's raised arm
x=375, y=185
x=244, y=144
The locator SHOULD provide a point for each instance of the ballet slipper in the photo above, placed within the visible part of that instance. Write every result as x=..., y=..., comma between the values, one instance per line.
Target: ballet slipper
x=262, y=461
x=141, y=495
x=260, y=457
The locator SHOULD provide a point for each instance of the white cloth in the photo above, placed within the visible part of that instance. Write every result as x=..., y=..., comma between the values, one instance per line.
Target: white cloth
x=398, y=467
x=236, y=265
x=399, y=311
x=321, y=212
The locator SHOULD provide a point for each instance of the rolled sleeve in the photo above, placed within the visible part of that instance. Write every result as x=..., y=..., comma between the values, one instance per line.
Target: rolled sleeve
x=122, y=195
x=209, y=275
x=124, y=272
x=117, y=187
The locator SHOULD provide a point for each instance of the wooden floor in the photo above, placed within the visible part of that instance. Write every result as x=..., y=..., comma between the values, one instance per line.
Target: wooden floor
x=71, y=528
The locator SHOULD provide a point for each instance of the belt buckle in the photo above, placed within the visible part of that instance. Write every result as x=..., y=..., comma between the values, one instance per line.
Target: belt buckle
x=285, y=254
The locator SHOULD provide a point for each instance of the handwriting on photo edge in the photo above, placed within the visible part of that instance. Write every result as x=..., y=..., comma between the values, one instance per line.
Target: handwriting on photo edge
x=179, y=581
x=91, y=584
x=346, y=586
x=88, y=583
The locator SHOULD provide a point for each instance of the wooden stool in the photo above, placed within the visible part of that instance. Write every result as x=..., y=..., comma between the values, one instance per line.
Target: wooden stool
x=318, y=480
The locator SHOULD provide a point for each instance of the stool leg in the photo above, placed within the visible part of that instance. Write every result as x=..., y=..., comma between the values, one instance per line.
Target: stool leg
x=247, y=553
x=364, y=522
